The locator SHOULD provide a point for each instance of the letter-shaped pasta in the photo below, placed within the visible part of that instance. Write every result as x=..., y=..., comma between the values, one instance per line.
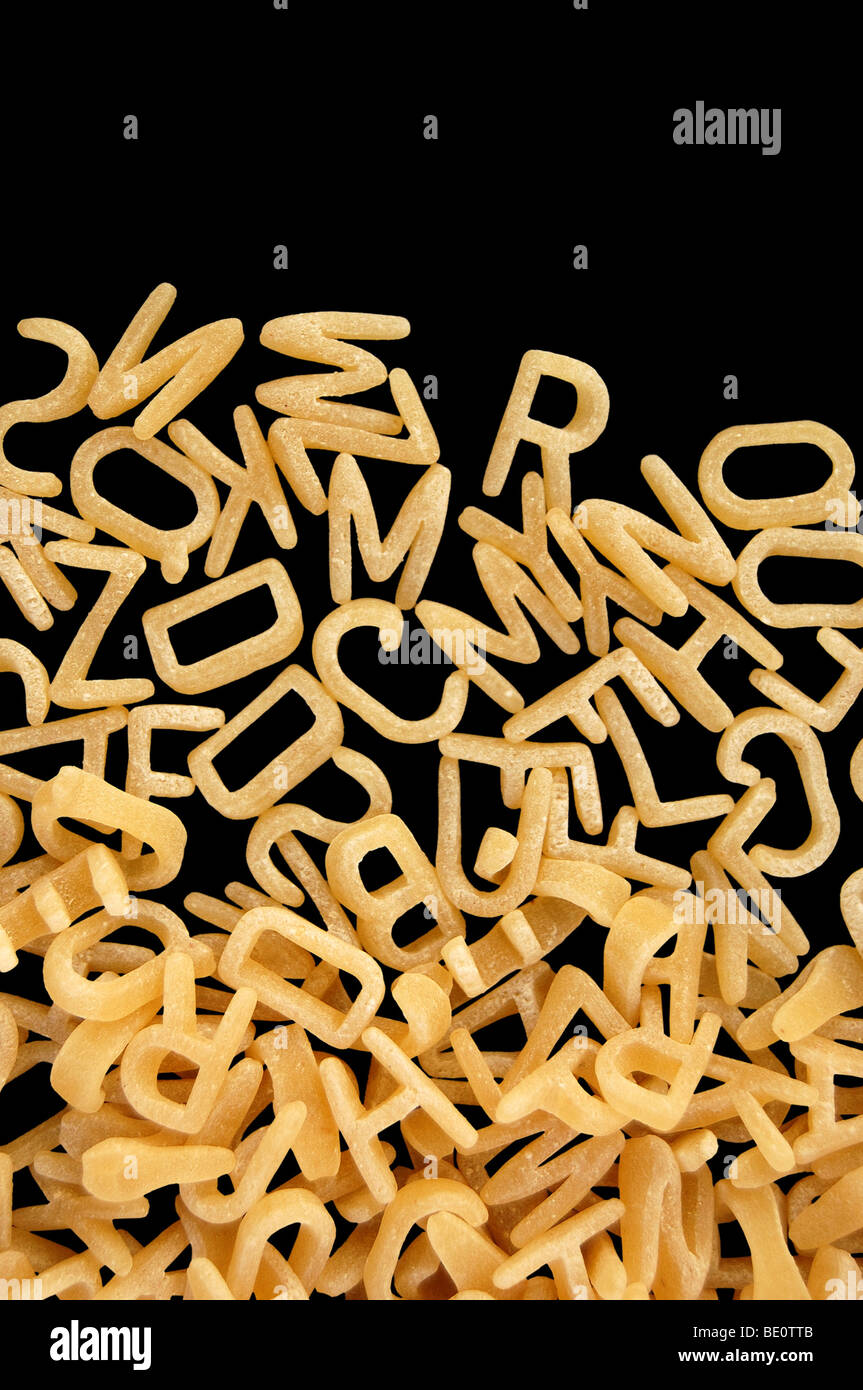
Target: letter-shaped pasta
x=76, y=793
x=387, y=618
x=238, y=969
x=65, y=399
x=378, y=911
x=295, y=762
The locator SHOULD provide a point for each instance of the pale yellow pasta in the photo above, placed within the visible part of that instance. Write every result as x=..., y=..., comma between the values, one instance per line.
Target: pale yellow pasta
x=241, y=659
x=579, y=1158
x=171, y=547
x=65, y=399
x=292, y=765
x=76, y=793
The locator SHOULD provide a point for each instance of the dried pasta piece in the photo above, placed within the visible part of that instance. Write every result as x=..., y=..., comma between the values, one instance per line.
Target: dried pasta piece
x=361, y=1124
x=258, y=1158
x=590, y=1164
x=804, y=745
x=642, y=925
x=79, y=794
x=170, y=547
x=23, y=1150
x=752, y=513
x=528, y=547
x=515, y=760
x=640, y=1050
x=856, y=769
x=11, y=831
x=570, y=992
x=343, y=1272
x=522, y=994
x=829, y=712
x=379, y=910
x=466, y=641
x=206, y=1282
x=829, y=1265
x=607, y=1272
x=759, y=1212
x=677, y=668
x=17, y=658
x=214, y=1243
x=277, y=826
x=121, y=1169
x=21, y=520
x=571, y=699
x=320, y=337
x=82, y=1062
x=667, y=1224
x=293, y=436
x=149, y=1277
x=652, y=811
x=520, y=939
x=65, y=399
x=414, y=1203
x=851, y=906
x=739, y=934
x=387, y=618
x=8, y=1054
x=110, y=999
x=256, y=483
x=24, y=591
x=33, y=580
x=597, y=583
x=272, y=1213
x=414, y=535
x=294, y=1069
x=750, y=1091
x=70, y=1206
x=286, y=447
x=679, y=969
x=561, y=1249
x=70, y=687
x=521, y=876
x=59, y=896
x=424, y=1003
x=93, y=729
x=726, y=848
x=556, y=444
x=291, y=766
x=469, y=1257
x=414, y=1088
x=274, y=951
x=814, y=545
x=142, y=780
x=77, y=1277
x=552, y=1086
x=834, y=985
x=836, y=1214
x=691, y=1151
x=599, y=891
x=239, y=970
x=624, y=535
x=618, y=854
x=187, y=366
x=827, y=1133
x=234, y=662
x=179, y=1031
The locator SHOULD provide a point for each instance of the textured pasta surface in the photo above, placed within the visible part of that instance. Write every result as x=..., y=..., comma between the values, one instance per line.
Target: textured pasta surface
x=346, y=1081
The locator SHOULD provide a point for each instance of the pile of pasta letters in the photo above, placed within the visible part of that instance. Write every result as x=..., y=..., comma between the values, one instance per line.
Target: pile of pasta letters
x=577, y=1167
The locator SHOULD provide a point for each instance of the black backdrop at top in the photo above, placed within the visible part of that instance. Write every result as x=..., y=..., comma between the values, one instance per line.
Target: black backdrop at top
x=304, y=128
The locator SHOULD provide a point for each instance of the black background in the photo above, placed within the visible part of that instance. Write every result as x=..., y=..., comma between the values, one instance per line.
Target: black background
x=304, y=127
